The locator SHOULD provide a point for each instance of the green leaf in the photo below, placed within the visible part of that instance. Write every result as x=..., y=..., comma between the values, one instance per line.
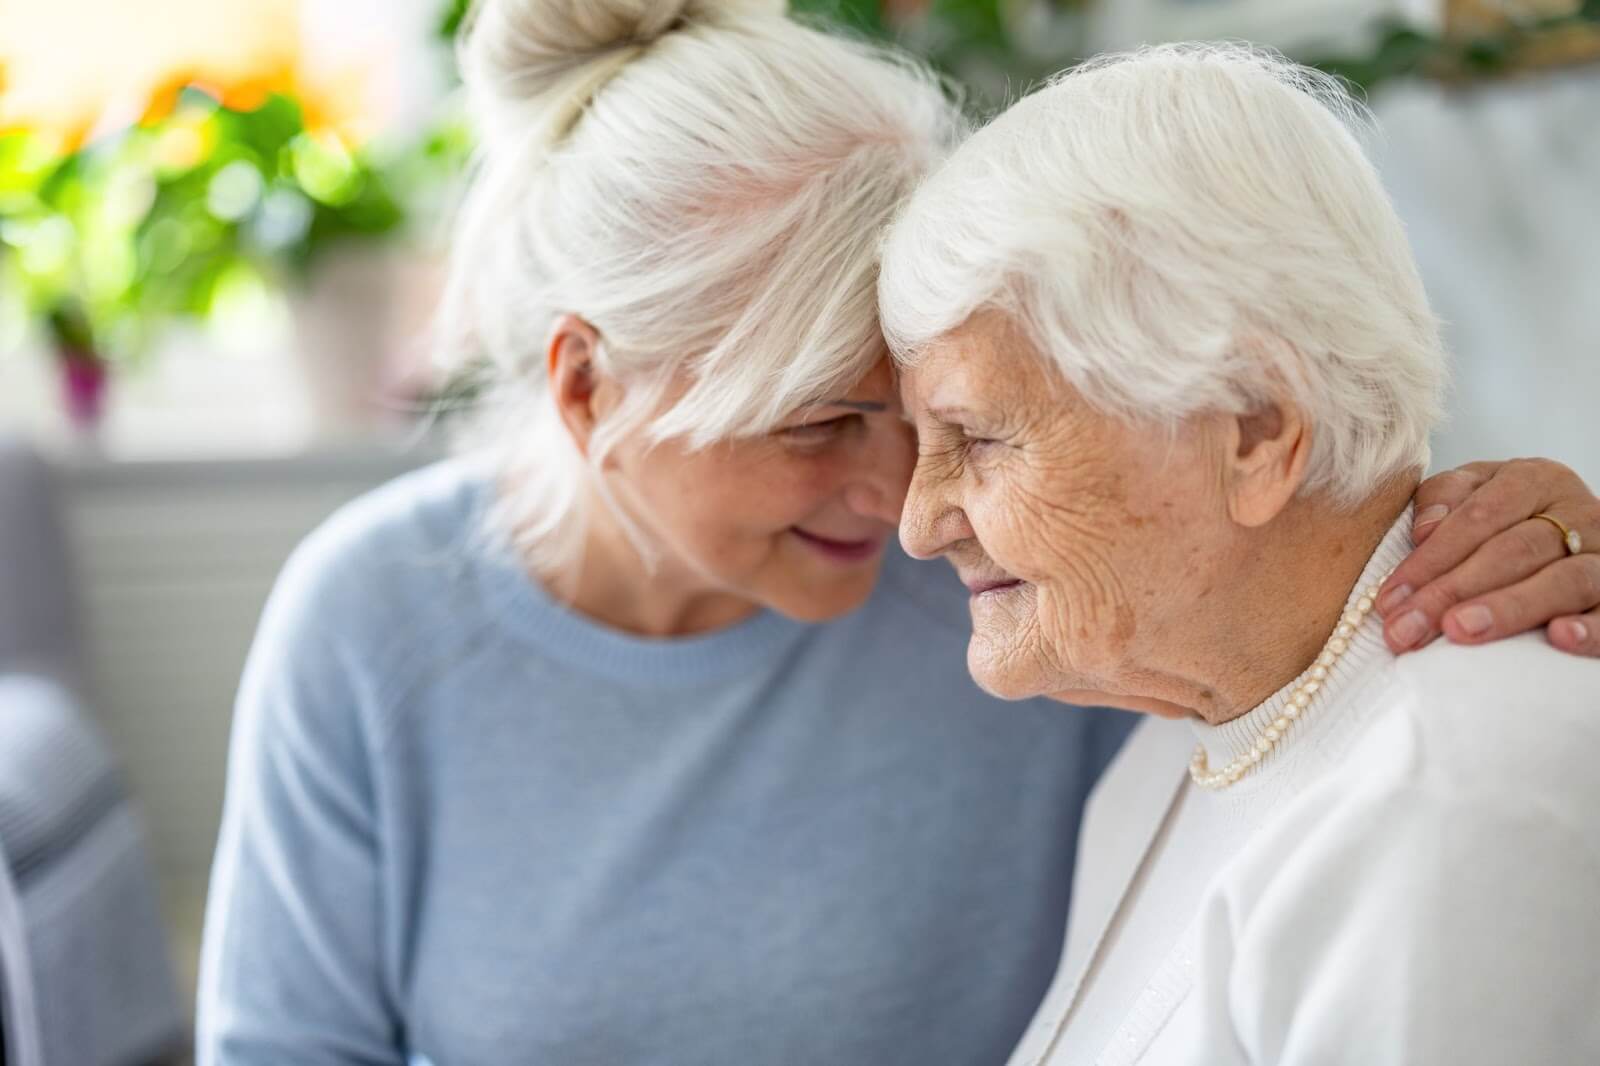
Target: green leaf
x=451, y=19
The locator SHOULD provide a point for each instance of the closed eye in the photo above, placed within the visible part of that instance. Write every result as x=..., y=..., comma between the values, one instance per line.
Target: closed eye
x=820, y=432
x=960, y=438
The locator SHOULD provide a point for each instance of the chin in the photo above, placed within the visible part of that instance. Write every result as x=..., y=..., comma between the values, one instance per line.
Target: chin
x=1004, y=682
x=1122, y=701
x=823, y=602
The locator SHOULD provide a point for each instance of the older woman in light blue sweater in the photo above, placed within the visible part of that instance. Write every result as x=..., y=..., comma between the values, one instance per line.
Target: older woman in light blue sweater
x=634, y=739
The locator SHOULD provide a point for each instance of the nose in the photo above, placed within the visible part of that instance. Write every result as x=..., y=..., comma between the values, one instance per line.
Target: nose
x=930, y=522
x=880, y=490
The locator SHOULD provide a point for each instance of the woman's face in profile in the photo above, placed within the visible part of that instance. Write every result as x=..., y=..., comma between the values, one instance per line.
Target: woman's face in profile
x=1085, y=539
x=797, y=519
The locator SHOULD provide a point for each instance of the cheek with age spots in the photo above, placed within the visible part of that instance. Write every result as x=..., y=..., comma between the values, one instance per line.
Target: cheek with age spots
x=1053, y=519
x=1084, y=520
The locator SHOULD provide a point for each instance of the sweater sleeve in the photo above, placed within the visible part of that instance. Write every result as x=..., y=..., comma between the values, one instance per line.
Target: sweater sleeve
x=291, y=968
x=1412, y=928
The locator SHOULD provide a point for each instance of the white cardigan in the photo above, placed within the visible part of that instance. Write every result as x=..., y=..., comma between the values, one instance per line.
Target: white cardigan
x=1412, y=877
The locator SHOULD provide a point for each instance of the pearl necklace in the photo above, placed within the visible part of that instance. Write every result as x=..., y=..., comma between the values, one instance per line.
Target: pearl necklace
x=1298, y=702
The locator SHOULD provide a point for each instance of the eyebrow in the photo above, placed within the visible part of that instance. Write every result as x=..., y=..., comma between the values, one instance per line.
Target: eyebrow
x=857, y=405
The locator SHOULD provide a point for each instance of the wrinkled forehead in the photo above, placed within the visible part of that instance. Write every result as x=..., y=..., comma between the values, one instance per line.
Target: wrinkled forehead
x=984, y=361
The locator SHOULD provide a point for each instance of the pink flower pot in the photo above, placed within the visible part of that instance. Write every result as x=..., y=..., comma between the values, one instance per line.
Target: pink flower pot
x=83, y=388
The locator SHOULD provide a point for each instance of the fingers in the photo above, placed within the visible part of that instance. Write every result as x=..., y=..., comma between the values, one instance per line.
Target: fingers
x=1443, y=493
x=1564, y=589
x=1507, y=561
x=1509, y=495
x=1578, y=634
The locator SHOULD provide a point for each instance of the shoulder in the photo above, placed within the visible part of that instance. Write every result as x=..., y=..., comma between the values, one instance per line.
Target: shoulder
x=1515, y=719
x=1525, y=668
x=421, y=516
x=374, y=586
x=1465, y=754
x=1474, y=767
x=377, y=548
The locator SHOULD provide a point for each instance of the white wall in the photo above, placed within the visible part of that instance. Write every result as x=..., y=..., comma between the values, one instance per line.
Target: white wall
x=1500, y=189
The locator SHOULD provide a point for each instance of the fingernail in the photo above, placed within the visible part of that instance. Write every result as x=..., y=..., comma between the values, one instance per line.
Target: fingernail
x=1394, y=598
x=1409, y=628
x=1475, y=619
x=1577, y=632
x=1429, y=515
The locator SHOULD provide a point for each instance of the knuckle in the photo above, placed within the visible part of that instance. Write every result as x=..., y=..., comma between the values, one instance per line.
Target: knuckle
x=1514, y=609
x=1586, y=579
x=1529, y=545
x=1438, y=597
x=1477, y=512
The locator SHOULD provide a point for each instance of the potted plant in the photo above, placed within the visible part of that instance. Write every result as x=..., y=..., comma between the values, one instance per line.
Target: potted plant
x=106, y=246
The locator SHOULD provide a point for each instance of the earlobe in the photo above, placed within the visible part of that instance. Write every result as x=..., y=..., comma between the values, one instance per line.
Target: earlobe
x=1266, y=456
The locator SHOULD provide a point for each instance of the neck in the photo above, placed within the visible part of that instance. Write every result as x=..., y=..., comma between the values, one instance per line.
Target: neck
x=614, y=585
x=1294, y=578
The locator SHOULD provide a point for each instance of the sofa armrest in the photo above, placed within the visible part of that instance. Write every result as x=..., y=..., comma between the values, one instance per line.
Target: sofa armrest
x=92, y=956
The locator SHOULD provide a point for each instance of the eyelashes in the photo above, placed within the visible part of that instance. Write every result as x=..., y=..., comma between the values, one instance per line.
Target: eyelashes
x=969, y=442
x=820, y=432
x=952, y=442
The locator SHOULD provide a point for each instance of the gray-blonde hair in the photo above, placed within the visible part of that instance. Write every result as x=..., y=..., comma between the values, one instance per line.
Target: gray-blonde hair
x=706, y=183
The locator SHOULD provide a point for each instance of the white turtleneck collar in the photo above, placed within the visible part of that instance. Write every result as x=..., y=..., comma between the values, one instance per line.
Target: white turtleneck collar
x=1223, y=743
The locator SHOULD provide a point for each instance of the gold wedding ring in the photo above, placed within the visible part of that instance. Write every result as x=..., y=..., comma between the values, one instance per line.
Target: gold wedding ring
x=1569, y=537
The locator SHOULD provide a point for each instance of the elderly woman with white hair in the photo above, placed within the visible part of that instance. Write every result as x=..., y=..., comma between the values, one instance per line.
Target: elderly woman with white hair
x=628, y=737
x=1174, y=374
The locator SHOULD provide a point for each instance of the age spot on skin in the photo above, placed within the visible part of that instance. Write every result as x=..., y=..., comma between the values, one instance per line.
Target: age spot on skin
x=1126, y=626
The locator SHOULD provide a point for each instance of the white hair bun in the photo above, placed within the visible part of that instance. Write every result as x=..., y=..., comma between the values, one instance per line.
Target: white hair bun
x=537, y=63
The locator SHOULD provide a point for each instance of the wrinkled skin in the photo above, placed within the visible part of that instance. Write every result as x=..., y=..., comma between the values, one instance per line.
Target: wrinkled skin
x=1019, y=480
x=1107, y=542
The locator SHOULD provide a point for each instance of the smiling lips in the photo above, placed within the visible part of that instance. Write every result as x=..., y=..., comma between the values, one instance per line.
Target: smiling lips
x=842, y=551
x=979, y=586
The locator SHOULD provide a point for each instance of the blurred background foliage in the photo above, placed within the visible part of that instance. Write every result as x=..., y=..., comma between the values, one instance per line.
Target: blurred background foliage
x=216, y=197
x=221, y=194
x=997, y=49
x=179, y=215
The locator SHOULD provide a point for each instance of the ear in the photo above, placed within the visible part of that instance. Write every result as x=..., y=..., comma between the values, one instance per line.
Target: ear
x=582, y=393
x=1265, y=461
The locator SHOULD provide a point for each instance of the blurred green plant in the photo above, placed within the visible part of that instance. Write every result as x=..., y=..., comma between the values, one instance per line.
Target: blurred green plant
x=211, y=205
x=1404, y=51
x=991, y=50
x=174, y=218
x=997, y=49
x=451, y=19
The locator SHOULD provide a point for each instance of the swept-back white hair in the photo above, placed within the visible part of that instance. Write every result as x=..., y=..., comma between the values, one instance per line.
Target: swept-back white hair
x=1185, y=229
x=706, y=183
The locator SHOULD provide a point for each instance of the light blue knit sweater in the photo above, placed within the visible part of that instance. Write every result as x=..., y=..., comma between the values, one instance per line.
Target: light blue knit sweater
x=467, y=826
